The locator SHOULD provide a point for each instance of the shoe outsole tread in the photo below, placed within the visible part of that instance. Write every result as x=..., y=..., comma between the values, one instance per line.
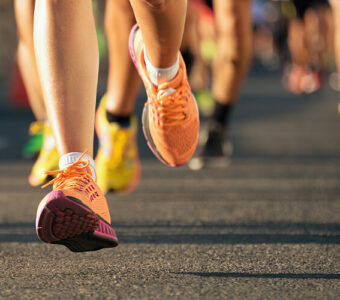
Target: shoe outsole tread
x=67, y=221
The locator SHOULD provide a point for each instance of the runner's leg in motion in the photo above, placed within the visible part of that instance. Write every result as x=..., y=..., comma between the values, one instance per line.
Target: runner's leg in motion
x=67, y=53
x=123, y=80
x=162, y=25
x=170, y=117
x=234, y=48
x=230, y=66
x=75, y=213
x=24, y=14
x=115, y=115
x=42, y=142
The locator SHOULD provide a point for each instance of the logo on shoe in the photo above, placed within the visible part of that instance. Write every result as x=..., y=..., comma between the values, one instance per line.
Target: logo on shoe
x=94, y=196
x=89, y=190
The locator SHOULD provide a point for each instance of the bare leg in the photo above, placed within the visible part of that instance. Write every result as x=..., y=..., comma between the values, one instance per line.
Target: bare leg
x=316, y=36
x=123, y=79
x=296, y=43
x=192, y=40
x=336, y=16
x=24, y=14
x=230, y=66
x=67, y=55
x=162, y=25
x=234, y=43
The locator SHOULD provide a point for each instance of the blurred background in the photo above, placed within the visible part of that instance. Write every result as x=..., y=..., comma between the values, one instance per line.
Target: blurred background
x=265, y=227
x=285, y=76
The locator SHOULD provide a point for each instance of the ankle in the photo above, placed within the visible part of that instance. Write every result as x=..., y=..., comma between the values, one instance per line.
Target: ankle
x=69, y=158
x=222, y=114
x=160, y=75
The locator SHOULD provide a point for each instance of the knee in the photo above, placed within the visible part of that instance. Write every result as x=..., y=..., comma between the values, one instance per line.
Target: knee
x=157, y=5
x=115, y=11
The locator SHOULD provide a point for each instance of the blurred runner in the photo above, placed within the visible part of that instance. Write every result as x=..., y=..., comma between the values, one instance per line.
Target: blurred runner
x=117, y=161
x=42, y=142
x=233, y=27
x=307, y=42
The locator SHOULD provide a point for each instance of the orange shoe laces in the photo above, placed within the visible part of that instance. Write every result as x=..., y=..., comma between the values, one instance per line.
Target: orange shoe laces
x=170, y=109
x=72, y=177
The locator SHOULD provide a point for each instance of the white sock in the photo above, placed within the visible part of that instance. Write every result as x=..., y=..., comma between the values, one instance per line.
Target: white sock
x=159, y=75
x=69, y=158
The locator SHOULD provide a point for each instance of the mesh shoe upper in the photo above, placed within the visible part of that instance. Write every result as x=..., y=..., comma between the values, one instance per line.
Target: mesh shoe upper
x=76, y=181
x=173, y=121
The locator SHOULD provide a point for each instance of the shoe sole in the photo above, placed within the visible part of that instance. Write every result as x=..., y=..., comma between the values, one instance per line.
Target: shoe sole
x=217, y=162
x=198, y=163
x=145, y=115
x=34, y=181
x=67, y=221
x=137, y=175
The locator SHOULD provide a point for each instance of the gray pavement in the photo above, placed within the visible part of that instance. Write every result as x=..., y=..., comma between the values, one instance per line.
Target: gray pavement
x=268, y=227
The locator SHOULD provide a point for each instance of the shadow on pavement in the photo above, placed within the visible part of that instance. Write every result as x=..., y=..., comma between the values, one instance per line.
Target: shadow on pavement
x=230, y=239
x=197, y=234
x=264, y=275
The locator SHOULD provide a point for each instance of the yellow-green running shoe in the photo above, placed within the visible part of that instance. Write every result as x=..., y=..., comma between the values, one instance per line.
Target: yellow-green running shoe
x=48, y=159
x=34, y=145
x=117, y=162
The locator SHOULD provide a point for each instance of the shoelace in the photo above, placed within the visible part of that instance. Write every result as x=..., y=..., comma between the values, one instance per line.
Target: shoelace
x=74, y=172
x=169, y=107
x=170, y=104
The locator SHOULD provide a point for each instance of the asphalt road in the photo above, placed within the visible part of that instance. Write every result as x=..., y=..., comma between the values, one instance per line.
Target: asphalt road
x=268, y=227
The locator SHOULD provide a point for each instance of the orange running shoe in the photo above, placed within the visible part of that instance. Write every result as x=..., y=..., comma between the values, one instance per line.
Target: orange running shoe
x=75, y=214
x=170, y=116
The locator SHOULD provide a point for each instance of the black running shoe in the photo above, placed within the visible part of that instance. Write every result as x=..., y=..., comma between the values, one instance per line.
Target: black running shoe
x=214, y=150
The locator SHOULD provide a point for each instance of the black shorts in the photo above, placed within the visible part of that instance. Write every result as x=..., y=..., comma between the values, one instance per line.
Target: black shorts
x=303, y=5
x=209, y=3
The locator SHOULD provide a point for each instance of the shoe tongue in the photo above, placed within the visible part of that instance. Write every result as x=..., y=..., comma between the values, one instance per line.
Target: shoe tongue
x=68, y=159
x=165, y=92
x=173, y=84
x=88, y=170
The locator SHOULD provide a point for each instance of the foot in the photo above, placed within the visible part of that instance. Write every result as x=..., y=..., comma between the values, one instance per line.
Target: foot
x=302, y=80
x=170, y=116
x=117, y=161
x=214, y=150
x=47, y=160
x=75, y=214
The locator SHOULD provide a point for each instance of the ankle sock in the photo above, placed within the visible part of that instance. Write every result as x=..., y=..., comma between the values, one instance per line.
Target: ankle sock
x=69, y=158
x=123, y=121
x=222, y=113
x=159, y=75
